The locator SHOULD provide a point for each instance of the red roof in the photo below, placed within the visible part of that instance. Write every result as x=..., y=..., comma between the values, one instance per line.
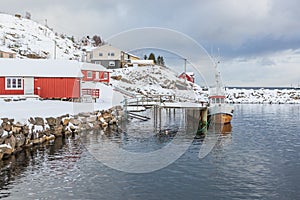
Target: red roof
x=217, y=96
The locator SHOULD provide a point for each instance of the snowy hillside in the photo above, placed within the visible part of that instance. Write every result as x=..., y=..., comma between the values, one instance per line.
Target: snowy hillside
x=264, y=96
x=160, y=80
x=31, y=39
x=156, y=80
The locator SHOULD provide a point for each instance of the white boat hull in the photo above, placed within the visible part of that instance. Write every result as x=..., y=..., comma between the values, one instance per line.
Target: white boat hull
x=220, y=113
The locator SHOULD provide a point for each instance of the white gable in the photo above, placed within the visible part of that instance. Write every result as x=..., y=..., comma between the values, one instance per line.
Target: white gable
x=190, y=73
x=92, y=67
x=39, y=68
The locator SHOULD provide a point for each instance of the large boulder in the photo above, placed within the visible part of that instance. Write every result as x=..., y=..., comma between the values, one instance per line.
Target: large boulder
x=51, y=121
x=91, y=119
x=7, y=126
x=11, y=141
x=58, y=131
x=39, y=121
x=20, y=140
x=5, y=149
x=17, y=128
x=75, y=122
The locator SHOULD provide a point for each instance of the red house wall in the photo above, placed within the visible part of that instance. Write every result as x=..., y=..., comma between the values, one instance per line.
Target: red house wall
x=57, y=87
x=8, y=92
x=101, y=76
x=187, y=77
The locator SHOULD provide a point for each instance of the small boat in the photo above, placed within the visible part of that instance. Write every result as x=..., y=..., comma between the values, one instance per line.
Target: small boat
x=219, y=111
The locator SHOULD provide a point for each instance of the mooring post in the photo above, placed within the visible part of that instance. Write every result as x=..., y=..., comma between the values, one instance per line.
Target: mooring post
x=155, y=117
x=204, y=120
x=159, y=117
x=125, y=108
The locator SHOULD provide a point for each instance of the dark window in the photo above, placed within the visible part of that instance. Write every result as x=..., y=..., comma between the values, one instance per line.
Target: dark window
x=14, y=83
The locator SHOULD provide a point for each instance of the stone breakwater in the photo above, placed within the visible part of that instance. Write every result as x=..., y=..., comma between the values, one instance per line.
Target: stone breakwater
x=16, y=136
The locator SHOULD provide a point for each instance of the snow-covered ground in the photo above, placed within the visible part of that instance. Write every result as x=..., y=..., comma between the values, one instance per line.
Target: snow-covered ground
x=156, y=80
x=24, y=109
x=136, y=81
x=25, y=37
x=274, y=96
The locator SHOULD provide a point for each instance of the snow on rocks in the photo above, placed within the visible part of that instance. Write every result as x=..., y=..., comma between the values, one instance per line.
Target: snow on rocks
x=263, y=96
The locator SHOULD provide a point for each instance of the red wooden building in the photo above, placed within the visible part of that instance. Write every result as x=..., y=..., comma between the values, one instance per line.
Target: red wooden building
x=189, y=76
x=46, y=78
x=95, y=73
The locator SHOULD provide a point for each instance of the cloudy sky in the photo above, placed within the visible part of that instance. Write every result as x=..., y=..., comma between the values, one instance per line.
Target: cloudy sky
x=259, y=40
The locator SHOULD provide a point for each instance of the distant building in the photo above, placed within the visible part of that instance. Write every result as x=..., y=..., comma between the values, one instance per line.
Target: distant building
x=109, y=56
x=6, y=52
x=131, y=57
x=141, y=63
x=189, y=76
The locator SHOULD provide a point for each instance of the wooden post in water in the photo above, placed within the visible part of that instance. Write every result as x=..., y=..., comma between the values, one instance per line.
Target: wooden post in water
x=155, y=117
x=203, y=120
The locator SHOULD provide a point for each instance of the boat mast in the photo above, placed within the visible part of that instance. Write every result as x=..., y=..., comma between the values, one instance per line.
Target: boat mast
x=219, y=89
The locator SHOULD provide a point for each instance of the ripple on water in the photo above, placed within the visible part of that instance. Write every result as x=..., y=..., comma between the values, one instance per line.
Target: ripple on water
x=259, y=159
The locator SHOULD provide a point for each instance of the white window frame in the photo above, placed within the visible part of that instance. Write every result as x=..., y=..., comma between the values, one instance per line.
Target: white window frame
x=18, y=83
x=89, y=74
x=97, y=76
x=105, y=76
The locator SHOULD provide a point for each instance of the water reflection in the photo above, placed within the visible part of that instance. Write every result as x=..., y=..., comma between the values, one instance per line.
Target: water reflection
x=42, y=158
x=57, y=157
x=256, y=158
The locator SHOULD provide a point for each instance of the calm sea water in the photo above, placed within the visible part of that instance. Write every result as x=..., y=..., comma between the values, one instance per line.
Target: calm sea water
x=259, y=159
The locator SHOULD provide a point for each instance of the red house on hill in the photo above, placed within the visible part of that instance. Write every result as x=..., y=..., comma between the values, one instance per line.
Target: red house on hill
x=189, y=76
x=95, y=73
x=46, y=78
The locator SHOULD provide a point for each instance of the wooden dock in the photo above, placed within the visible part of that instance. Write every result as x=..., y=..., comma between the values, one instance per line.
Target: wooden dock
x=168, y=102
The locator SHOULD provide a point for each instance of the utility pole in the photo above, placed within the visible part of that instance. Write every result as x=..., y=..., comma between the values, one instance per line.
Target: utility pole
x=54, y=56
x=185, y=69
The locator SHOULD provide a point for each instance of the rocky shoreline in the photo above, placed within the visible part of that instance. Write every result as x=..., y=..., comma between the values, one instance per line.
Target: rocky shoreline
x=16, y=136
x=263, y=96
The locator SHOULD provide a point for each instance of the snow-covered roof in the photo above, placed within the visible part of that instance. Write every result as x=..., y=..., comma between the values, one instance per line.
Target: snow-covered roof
x=142, y=62
x=92, y=67
x=130, y=54
x=89, y=48
x=5, y=49
x=190, y=73
x=106, y=46
x=40, y=68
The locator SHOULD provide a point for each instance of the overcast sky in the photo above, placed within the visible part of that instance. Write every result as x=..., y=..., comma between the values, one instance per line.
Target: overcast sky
x=259, y=40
